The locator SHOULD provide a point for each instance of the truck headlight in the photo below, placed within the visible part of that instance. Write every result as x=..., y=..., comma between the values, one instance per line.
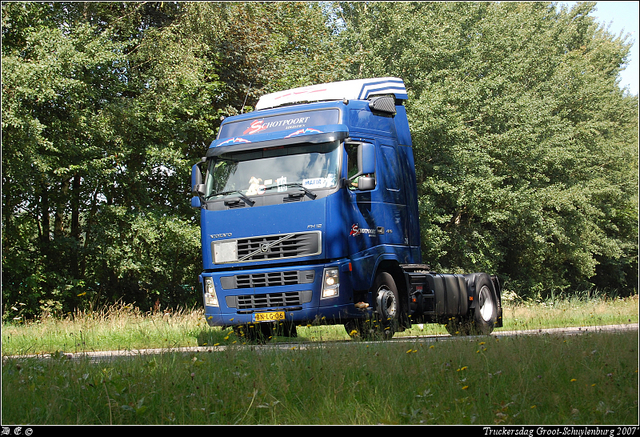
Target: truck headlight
x=210, y=297
x=330, y=283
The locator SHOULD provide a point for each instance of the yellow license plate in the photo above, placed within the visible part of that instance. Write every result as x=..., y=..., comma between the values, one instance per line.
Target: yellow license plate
x=266, y=317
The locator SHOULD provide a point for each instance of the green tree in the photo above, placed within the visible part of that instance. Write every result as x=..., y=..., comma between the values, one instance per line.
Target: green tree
x=526, y=148
x=105, y=108
x=525, y=145
x=208, y=63
x=55, y=79
x=66, y=83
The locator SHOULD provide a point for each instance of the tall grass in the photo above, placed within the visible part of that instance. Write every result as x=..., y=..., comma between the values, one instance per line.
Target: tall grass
x=577, y=310
x=122, y=327
x=118, y=327
x=586, y=379
x=590, y=378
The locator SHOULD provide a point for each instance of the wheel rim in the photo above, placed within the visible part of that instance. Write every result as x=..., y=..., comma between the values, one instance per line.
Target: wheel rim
x=387, y=303
x=487, y=307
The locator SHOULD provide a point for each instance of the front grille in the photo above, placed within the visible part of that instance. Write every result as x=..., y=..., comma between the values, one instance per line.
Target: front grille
x=278, y=246
x=273, y=279
x=268, y=300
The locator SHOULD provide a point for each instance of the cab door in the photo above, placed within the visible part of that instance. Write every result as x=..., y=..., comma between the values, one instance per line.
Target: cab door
x=377, y=210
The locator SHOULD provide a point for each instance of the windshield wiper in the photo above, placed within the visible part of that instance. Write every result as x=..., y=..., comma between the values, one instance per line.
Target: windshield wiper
x=306, y=190
x=239, y=193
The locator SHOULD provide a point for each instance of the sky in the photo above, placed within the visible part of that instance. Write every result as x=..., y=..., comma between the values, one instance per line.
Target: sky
x=621, y=16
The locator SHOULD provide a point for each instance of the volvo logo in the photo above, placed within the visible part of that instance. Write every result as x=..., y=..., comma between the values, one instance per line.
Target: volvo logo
x=224, y=235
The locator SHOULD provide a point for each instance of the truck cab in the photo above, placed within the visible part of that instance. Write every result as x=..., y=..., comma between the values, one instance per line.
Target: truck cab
x=309, y=214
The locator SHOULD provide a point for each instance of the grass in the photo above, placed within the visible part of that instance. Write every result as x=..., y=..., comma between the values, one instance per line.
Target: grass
x=585, y=379
x=590, y=378
x=119, y=327
x=123, y=327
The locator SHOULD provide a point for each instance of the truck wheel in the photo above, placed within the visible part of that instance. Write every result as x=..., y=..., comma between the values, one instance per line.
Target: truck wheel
x=481, y=319
x=486, y=311
x=387, y=304
x=385, y=318
x=358, y=328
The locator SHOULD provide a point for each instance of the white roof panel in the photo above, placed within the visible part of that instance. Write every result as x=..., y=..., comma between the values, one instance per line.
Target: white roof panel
x=359, y=89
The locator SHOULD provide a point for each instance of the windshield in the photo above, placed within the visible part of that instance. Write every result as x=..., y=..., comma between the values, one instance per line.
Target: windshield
x=274, y=170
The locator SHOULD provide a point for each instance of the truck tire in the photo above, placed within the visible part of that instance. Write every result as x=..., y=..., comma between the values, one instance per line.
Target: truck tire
x=387, y=307
x=386, y=315
x=482, y=319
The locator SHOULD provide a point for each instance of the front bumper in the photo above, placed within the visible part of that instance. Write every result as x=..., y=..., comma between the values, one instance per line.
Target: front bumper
x=245, y=296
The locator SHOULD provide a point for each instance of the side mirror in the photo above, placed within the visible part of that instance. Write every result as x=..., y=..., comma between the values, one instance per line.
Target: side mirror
x=197, y=187
x=366, y=159
x=366, y=183
x=366, y=167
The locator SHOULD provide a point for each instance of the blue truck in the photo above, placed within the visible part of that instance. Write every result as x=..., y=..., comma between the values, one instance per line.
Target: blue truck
x=309, y=214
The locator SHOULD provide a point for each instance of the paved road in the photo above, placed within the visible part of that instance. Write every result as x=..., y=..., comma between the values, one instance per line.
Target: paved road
x=108, y=355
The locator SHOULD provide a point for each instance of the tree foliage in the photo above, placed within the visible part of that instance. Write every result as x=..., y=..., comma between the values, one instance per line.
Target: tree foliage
x=105, y=108
x=526, y=147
